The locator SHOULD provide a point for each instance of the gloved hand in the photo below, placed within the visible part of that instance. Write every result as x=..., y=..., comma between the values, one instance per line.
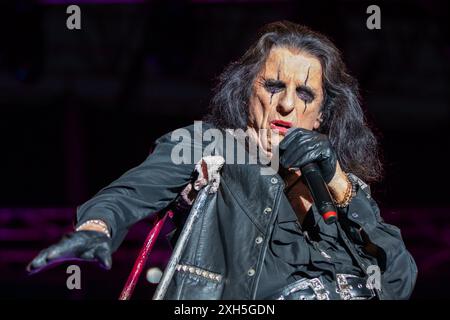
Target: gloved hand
x=85, y=245
x=302, y=146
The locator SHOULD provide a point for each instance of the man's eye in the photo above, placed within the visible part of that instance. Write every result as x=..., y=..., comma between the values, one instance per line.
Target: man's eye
x=273, y=86
x=305, y=96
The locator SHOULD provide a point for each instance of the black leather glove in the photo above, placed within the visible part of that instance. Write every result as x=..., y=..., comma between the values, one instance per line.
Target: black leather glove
x=86, y=245
x=302, y=146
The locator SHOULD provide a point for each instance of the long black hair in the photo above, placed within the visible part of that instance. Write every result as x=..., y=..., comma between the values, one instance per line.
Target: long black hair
x=343, y=119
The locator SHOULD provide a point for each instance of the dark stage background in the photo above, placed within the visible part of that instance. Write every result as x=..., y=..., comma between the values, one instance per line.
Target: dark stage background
x=80, y=107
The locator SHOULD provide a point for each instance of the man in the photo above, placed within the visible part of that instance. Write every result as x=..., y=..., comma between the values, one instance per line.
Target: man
x=260, y=236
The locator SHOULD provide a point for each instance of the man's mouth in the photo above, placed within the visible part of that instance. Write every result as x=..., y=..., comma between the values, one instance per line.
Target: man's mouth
x=281, y=126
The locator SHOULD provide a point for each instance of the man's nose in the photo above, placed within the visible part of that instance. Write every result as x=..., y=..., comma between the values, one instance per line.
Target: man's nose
x=287, y=101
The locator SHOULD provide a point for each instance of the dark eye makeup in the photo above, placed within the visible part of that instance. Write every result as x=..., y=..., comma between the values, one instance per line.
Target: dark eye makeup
x=305, y=93
x=275, y=86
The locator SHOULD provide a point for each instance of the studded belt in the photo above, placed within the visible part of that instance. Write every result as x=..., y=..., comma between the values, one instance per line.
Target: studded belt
x=346, y=287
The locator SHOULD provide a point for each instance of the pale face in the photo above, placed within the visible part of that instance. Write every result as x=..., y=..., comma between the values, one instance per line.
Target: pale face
x=287, y=92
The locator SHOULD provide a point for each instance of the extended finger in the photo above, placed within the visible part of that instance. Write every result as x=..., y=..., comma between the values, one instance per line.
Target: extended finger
x=65, y=249
x=38, y=262
x=88, y=254
x=103, y=255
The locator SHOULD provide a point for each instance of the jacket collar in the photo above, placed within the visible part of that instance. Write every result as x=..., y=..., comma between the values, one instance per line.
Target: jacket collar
x=258, y=195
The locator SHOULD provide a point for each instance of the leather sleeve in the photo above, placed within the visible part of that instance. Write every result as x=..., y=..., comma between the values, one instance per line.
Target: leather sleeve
x=398, y=268
x=145, y=189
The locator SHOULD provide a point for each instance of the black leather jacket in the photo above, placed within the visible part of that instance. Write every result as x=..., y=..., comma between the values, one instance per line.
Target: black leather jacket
x=223, y=259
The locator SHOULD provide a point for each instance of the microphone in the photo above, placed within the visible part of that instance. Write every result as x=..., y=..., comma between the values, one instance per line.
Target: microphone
x=319, y=191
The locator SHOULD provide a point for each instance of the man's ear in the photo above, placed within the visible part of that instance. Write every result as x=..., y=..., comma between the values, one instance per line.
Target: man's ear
x=318, y=121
